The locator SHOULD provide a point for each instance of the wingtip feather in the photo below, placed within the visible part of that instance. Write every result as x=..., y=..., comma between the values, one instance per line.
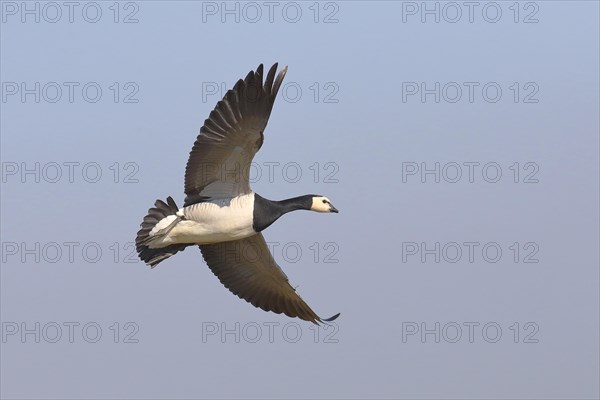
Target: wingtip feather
x=330, y=319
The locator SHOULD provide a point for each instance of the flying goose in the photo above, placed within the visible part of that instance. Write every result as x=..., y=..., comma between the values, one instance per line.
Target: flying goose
x=221, y=214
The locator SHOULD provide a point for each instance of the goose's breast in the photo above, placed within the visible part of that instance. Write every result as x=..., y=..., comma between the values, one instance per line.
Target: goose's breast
x=218, y=220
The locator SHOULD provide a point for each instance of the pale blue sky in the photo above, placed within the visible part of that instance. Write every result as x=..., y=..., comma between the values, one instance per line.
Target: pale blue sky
x=363, y=129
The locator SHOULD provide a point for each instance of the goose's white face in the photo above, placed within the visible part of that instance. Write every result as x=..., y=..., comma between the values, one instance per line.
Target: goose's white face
x=322, y=204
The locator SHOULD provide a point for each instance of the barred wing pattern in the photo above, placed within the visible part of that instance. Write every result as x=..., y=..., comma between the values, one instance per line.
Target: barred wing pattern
x=247, y=268
x=219, y=163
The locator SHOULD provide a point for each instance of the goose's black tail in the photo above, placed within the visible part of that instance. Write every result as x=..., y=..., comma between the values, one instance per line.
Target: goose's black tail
x=155, y=227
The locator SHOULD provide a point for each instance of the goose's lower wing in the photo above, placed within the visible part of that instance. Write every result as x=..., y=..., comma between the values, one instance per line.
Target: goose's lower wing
x=247, y=268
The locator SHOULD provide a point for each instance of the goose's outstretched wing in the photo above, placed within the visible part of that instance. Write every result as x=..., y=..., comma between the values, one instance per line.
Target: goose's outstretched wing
x=219, y=162
x=248, y=270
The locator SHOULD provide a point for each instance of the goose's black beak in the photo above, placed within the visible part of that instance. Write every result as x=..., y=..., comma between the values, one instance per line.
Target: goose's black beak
x=333, y=209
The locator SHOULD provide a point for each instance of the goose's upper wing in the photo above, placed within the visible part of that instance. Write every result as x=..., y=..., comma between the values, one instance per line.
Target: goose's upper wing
x=248, y=270
x=219, y=162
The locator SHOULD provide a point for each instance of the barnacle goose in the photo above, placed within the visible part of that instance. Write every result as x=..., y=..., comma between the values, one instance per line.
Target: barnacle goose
x=221, y=214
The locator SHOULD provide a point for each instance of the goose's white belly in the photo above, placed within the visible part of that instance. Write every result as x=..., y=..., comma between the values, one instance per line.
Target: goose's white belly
x=216, y=221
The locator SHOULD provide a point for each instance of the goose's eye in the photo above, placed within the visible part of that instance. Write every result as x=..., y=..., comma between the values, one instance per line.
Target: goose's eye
x=324, y=201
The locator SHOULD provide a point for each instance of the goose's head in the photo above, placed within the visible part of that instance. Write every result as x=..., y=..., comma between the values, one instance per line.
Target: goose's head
x=322, y=204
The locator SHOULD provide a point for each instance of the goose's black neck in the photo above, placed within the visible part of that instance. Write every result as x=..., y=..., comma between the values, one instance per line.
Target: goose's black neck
x=268, y=211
